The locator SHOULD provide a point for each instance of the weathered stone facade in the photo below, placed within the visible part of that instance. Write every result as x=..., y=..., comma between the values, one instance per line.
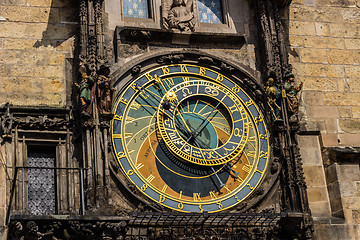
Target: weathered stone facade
x=37, y=41
x=324, y=51
x=40, y=49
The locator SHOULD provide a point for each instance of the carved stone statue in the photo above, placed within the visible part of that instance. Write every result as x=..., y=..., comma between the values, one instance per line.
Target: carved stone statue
x=104, y=91
x=178, y=14
x=290, y=93
x=85, y=92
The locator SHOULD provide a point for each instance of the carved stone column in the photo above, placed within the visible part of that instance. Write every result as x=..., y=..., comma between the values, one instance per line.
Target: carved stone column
x=275, y=64
x=93, y=58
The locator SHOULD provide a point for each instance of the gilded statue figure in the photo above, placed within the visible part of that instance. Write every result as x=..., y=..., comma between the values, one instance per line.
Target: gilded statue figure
x=290, y=93
x=178, y=15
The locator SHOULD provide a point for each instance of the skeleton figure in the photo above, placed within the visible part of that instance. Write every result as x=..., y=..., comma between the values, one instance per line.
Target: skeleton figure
x=178, y=14
x=273, y=96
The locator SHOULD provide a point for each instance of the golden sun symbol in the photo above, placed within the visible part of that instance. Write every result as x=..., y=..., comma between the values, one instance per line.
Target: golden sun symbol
x=170, y=96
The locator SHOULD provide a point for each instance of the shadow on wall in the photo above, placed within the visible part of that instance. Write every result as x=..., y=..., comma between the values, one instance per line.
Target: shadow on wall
x=62, y=23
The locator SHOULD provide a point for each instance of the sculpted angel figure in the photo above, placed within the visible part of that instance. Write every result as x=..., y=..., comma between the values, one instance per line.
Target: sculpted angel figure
x=178, y=15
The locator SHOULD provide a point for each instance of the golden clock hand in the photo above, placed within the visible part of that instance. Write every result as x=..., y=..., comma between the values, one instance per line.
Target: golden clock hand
x=183, y=120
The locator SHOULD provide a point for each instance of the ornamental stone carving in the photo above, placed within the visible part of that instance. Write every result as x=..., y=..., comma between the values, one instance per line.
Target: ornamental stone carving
x=178, y=14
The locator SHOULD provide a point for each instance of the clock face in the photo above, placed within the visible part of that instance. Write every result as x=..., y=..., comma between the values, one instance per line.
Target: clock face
x=190, y=138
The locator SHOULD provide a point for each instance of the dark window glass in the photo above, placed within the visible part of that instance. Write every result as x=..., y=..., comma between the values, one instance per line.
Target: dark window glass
x=41, y=182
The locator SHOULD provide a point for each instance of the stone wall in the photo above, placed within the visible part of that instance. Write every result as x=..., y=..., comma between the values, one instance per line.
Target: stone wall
x=324, y=38
x=36, y=39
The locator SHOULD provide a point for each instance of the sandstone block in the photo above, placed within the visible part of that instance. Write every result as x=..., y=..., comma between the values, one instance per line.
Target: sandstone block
x=39, y=3
x=344, y=30
x=302, y=28
x=34, y=58
x=13, y=30
x=335, y=198
x=343, y=57
x=323, y=112
x=301, y=13
x=349, y=125
x=322, y=29
x=313, y=55
x=25, y=14
x=335, y=3
x=355, y=112
x=331, y=173
x=330, y=125
x=351, y=202
x=296, y=41
x=356, y=216
x=352, y=71
x=310, y=150
x=329, y=140
x=345, y=112
x=312, y=98
x=347, y=139
x=342, y=99
x=351, y=15
x=357, y=188
x=335, y=71
x=35, y=30
x=320, y=209
x=314, y=176
x=18, y=44
x=53, y=71
x=349, y=172
x=322, y=42
x=317, y=194
x=9, y=57
x=333, y=231
x=353, y=84
x=53, y=85
x=314, y=70
x=297, y=2
x=4, y=71
x=352, y=43
x=56, y=58
x=327, y=15
x=14, y=2
x=319, y=84
x=335, y=43
x=347, y=189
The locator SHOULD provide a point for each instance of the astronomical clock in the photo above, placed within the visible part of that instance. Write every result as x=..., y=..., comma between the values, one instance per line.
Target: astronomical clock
x=190, y=137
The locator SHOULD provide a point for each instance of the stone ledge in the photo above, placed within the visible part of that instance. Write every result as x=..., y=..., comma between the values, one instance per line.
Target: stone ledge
x=161, y=37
